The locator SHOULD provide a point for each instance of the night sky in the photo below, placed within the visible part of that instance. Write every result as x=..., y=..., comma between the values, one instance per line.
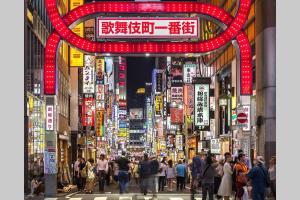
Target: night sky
x=139, y=71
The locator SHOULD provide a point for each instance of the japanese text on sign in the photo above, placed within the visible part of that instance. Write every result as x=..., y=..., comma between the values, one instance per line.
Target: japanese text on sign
x=49, y=118
x=201, y=105
x=147, y=27
x=177, y=94
x=89, y=74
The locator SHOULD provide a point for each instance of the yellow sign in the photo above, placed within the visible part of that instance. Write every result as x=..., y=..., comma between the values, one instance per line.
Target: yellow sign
x=140, y=91
x=233, y=101
x=100, y=123
x=122, y=132
x=76, y=57
x=158, y=104
x=29, y=16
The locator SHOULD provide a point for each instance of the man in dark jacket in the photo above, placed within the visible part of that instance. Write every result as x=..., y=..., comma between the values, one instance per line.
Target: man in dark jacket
x=207, y=177
x=144, y=173
x=154, y=166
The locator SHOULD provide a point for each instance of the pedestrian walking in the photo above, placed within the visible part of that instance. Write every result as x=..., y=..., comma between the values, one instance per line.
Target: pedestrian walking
x=154, y=166
x=82, y=174
x=196, y=170
x=123, y=178
x=240, y=170
x=90, y=180
x=225, y=188
x=115, y=172
x=218, y=177
x=102, y=170
x=136, y=172
x=77, y=173
x=162, y=175
x=272, y=175
x=144, y=173
x=170, y=175
x=180, y=174
x=207, y=177
x=186, y=173
x=259, y=179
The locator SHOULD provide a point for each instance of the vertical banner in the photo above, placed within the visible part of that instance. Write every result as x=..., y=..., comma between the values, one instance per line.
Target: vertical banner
x=100, y=71
x=100, y=123
x=158, y=105
x=159, y=82
x=189, y=98
x=49, y=117
x=177, y=94
x=100, y=105
x=189, y=72
x=201, y=104
x=88, y=111
x=89, y=75
x=176, y=71
x=176, y=115
x=179, y=142
x=76, y=57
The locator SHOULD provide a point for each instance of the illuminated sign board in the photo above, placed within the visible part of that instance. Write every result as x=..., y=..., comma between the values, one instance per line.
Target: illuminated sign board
x=150, y=27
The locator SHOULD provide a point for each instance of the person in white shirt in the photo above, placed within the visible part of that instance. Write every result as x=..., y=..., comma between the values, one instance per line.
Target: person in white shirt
x=102, y=169
x=162, y=174
x=76, y=173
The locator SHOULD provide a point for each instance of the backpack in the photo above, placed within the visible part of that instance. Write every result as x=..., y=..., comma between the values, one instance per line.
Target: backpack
x=154, y=165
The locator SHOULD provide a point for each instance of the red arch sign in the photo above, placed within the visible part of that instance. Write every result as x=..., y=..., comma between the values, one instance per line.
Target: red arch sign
x=233, y=31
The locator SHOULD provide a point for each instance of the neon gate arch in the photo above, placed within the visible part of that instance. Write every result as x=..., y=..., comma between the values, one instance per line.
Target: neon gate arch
x=233, y=31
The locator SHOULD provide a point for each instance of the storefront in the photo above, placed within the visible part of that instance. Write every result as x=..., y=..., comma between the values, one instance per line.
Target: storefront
x=192, y=147
x=36, y=135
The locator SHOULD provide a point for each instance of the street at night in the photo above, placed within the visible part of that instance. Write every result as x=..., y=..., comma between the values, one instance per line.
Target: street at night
x=159, y=99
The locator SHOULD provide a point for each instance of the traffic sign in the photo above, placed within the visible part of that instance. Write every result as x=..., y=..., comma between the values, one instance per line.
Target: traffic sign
x=242, y=118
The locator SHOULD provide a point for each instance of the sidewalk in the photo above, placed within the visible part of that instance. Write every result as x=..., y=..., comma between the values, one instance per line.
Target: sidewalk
x=42, y=197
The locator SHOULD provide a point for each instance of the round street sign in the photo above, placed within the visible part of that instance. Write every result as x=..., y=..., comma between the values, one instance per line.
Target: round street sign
x=242, y=118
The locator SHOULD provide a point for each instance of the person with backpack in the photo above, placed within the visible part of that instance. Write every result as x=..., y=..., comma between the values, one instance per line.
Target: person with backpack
x=207, y=177
x=170, y=172
x=162, y=175
x=259, y=179
x=123, y=176
x=225, y=188
x=180, y=174
x=196, y=169
x=239, y=176
x=144, y=173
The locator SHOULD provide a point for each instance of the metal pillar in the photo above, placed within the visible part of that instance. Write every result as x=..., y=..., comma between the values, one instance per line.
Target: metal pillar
x=265, y=47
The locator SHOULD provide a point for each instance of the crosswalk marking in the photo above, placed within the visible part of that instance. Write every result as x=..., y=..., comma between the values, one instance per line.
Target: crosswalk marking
x=75, y=198
x=100, y=198
x=176, y=198
x=51, y=199
x=125, y=198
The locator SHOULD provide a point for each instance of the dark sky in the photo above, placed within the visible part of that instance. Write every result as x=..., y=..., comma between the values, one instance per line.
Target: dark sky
x=139, y=71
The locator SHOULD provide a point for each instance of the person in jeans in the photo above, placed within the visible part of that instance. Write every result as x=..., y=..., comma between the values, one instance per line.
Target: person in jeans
x=196, y=169
x=259, y=178
x=123, y=178
x=207, y=177
x=162, y=175
x=102, y=169
x=180, y=174
x=144, y=173
x=154, y=166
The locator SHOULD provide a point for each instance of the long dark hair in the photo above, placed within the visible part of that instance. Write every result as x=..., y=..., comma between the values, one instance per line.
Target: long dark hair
x=170, y=163
x=209, y=160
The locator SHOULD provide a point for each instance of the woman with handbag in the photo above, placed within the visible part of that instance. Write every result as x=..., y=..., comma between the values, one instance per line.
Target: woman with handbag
x=89, y=186
x=225, y=188
x=207, y=177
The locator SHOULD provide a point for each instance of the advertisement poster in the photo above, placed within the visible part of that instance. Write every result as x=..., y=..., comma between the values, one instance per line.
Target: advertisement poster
x=177, y=94
x=100, y=105
x=189, y=71
x=201, y=109
x=136, y=113
x=176, y=71
x=243, y=117
x=170, y=141
x=89, y=75
x=50, y=161
x=189, y=98
x=215, y=146
x=176, y=115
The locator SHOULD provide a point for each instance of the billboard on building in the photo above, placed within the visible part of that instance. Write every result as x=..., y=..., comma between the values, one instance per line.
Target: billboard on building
x=147, y=27
x=109, y=69
x=189, y=71
x=88, y=111
x=136, y=113
x=170, y=141
x=201, y=104
x=89, y=74
x=176, y=71
x=100, y=105
x=215, y=146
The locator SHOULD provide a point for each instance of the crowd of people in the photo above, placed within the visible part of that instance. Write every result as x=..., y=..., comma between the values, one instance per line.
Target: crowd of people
x=218, y=179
